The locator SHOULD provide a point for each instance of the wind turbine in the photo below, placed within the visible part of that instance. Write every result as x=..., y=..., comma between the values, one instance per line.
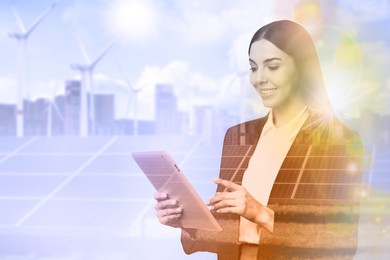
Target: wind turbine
x=133, y=100
x=87, y=113
x=22, y=38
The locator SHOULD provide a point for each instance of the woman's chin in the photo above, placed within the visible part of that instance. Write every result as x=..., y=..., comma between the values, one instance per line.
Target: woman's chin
x=268, y=103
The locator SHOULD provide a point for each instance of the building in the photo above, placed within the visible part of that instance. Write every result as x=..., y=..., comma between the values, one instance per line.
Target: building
x=165, y=110
x=36, y=117
x=104, y=114
x=72, y=107
x=7, y=120
x=204, y=121
x=57, y=114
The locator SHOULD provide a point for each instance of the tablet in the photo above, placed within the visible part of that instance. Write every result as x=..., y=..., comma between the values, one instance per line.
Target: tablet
x=166, y=177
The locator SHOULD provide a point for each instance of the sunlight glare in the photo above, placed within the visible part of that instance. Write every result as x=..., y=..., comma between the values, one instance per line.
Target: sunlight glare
x=134, y=19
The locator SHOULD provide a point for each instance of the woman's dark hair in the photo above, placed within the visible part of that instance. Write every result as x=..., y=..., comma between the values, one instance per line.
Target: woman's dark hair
x=294, y=40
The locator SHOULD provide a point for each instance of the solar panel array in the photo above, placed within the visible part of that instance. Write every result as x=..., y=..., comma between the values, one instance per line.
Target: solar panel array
x=85, y=198
x=308, y=175
x=78, y=190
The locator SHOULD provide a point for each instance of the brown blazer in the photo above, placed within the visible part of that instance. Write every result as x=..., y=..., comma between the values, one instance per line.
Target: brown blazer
x=315, y=196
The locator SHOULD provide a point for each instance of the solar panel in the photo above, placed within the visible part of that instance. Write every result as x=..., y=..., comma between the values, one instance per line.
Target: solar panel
x=9, y=144
x=128, y=144
x=43, y=163
x=308, y=175
x=13, y=209
x=111, y=164
x=287, y=176
x=106, y=186
x=28, y=186
x=325, y=192
x=79, y=215
x=63, y=145
x=37, y=173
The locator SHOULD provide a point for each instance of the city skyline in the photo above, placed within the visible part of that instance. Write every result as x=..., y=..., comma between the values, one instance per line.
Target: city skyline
x=61, y=116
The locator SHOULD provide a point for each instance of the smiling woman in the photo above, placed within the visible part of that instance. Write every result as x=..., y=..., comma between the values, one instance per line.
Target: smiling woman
x=286, y=187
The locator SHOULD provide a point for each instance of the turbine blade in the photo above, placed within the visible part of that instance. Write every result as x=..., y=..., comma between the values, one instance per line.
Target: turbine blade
x=131, y=86
x=40, y=18
x=102, y=53
x=53, y=103
x=19, y=20
x=141, y=86
x=128, y=83
x=82, y=48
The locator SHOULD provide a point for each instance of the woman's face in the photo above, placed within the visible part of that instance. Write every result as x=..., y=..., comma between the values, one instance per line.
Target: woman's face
x=273, y=74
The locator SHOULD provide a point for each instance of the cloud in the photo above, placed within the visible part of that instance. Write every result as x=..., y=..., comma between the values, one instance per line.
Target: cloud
x=193, y=88
x=190, y=87
x=87, y=20
x=48, y=89
x=3, y=32
x=134, y=19
x=8, y=90
x=238, y=53
x=368, y=11
x=208, y=23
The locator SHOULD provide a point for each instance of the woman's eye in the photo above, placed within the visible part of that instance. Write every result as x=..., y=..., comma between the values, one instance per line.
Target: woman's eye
x=253, y=69
x=273, y=67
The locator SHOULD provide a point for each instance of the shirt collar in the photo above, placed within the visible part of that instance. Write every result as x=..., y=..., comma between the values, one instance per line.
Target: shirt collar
x=291, y=128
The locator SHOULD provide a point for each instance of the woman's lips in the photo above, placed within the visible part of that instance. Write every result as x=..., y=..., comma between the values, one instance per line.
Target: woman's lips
x=267, y=91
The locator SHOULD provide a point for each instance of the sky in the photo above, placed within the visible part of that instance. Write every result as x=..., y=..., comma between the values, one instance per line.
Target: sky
x=198, y=46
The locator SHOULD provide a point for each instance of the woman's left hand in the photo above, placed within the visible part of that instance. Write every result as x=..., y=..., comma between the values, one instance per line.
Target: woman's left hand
x=236, y=199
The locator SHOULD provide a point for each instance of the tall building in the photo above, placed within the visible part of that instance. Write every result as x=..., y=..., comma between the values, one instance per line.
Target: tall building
x=104, y=114
x=72, y=107
x=57, y=114
x=35, y=117
x=165, y=110
x=204, y=121
x=7, y=120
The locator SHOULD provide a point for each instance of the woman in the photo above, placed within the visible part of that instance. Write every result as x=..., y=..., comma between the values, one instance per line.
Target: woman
x=289, y=182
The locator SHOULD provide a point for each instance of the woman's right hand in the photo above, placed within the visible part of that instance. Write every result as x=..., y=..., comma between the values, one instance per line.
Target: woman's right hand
x=168, y=211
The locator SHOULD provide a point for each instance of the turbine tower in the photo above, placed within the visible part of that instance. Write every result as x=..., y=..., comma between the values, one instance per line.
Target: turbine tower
x=22, y=72
x=134, y=102
x=87, y=111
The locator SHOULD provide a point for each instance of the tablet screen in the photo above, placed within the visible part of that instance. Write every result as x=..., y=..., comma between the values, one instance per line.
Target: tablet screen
x=164, y=174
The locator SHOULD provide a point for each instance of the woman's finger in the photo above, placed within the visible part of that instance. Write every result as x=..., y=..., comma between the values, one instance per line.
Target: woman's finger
x=223, y=196
x=160, y=196
x=235, y=210
x=227, y=204
x=230, y=186
x=168, y=212
x=171, y=220
x=169, y=203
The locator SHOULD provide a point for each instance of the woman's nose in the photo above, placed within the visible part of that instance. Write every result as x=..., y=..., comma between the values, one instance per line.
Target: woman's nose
x=261, y=76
